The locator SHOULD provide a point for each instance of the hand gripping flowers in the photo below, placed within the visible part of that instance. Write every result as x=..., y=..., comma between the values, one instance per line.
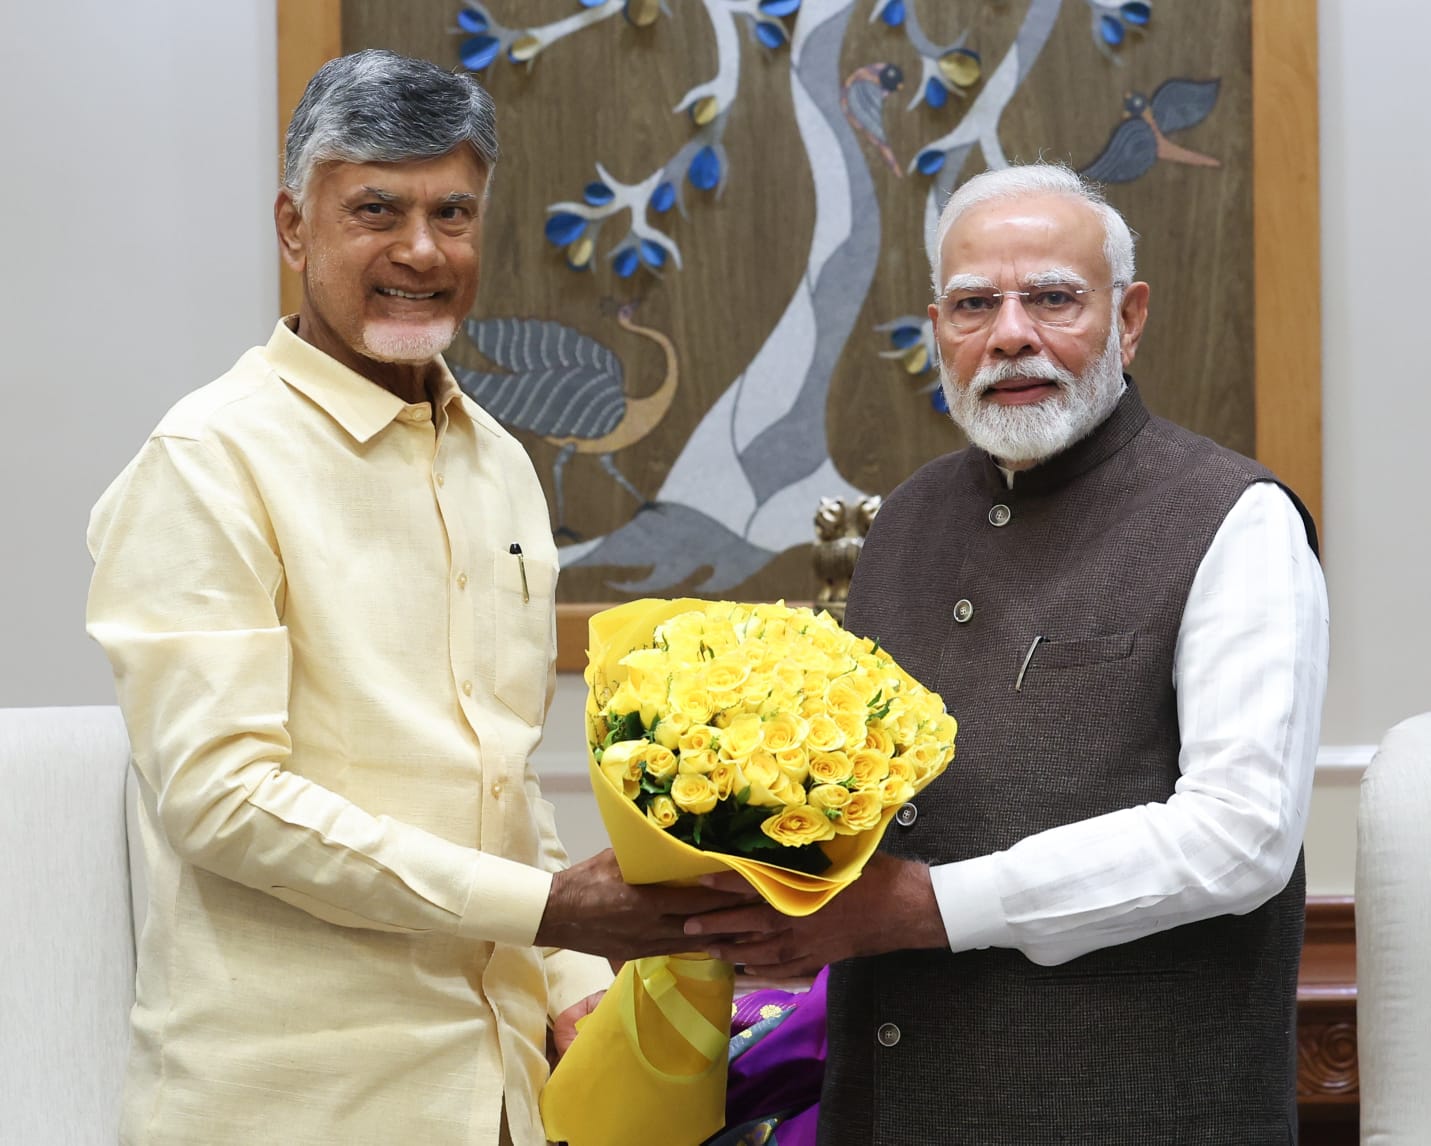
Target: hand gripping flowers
x=759, y=738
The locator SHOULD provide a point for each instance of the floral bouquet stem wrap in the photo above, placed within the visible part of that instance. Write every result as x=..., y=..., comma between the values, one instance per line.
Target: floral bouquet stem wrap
x=761, y=739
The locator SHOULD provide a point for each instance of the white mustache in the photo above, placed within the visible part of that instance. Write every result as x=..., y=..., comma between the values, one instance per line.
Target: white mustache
x=1011, y=369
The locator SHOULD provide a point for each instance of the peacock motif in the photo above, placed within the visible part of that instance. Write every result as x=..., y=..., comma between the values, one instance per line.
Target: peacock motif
x=569, y=390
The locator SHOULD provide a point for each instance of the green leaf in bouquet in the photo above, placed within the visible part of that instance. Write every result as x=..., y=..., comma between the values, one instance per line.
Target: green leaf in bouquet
x=743, y=796
x=627, y=726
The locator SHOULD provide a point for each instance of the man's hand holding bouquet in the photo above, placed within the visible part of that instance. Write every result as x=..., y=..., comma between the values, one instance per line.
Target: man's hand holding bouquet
x=761, y=740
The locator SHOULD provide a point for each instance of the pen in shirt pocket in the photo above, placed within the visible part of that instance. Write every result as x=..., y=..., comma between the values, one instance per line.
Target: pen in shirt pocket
x=516, y=551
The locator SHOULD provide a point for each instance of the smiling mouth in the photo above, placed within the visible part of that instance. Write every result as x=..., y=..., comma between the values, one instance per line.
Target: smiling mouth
x=393, y=292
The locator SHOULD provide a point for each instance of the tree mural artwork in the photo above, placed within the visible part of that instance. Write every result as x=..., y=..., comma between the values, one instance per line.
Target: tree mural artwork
x=742, y=486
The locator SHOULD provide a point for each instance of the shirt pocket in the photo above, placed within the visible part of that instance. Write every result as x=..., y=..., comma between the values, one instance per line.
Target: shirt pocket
x=526, y=632
x=1082, y=652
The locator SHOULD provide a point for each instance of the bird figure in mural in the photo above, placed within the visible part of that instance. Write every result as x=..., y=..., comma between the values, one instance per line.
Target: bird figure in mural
x=1141, y=139
x=569, y=390
x=862, y=99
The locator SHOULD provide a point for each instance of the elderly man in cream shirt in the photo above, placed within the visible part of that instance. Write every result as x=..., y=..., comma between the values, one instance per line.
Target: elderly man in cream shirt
x=325, y=585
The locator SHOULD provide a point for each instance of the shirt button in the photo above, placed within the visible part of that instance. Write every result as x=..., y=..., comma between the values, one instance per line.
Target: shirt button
x=888, y=1035
x=496, y=788
x=906, y=815
x=963, y=610
x=441, y=480
x=466, y=688
x=1000, y=515
x=462, y=580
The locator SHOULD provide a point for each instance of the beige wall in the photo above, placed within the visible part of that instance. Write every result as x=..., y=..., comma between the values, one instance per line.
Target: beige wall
x=139, y=168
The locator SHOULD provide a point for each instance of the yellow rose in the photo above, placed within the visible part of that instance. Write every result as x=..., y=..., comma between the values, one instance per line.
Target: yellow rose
x=901, y=769
x=698, y=738
x=662, y=812
x=725, y=674
x=671, y=729
x=833, y=796
x=923, y=757
x=794, y=762
x=727, y=778
x=787, y=791
x=693, y=792
x=690, y=698
x=785, y=731
x=868, y=767
x=942, y=727
x=797, y=826
x=621, y=765
x=895, y=791
x=878, y=737
x=625, y=699
x=741, y=736
x=660, y=762
x=830, y=767
x=852, y=725
x=697, y=763
x=860, y=815
x=845, y=695
x=824, y=734
x=644, y=664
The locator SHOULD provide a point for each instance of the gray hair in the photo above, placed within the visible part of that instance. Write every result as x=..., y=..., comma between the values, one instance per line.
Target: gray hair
x=376, y=106
x=1037, y=179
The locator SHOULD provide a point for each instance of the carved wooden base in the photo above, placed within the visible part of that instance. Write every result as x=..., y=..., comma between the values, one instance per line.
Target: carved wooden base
x=1327, y=1088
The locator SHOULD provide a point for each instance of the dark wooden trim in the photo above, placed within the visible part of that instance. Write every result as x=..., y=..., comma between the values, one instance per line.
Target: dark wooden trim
x=1328, y=1089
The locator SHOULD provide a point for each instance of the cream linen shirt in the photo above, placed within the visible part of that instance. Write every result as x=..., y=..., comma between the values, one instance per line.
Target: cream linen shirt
x=333, y=675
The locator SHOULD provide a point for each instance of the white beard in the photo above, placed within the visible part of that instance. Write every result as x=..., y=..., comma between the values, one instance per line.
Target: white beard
x=406, y=342
x=1022, y=435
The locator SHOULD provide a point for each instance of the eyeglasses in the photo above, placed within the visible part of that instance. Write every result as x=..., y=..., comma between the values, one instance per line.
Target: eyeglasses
x=1054, y=304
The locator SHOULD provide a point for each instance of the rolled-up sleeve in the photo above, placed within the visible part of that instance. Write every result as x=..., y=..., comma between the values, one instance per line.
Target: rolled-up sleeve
x=186, y=602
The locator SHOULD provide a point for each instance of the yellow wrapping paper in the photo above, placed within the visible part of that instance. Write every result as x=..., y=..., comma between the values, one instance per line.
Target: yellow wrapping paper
x=650, y=1063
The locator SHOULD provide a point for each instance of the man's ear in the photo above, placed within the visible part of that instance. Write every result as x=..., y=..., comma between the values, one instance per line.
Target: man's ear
x=288, y=221
x=1134, y=313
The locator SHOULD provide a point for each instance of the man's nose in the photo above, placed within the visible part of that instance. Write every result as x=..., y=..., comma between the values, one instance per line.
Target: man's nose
x=418, y=248
x=1013, y=332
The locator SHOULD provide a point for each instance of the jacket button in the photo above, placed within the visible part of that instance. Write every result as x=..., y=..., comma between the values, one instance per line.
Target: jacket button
x=1000, y=515
x=906, y=815
x=888, y=1035
x=963, y=610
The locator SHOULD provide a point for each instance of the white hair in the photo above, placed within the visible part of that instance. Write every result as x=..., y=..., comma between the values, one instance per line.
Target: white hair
x=376, y=106
x=1038, y=179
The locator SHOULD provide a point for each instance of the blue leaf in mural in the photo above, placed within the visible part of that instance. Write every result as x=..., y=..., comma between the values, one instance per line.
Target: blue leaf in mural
x=779, y=8
x=935, y=94
x=479, y=51
x=903, y=337
x=769, y=33
x=564, y=227
x=663, y=198
x=704, y=171
x=938, y=401
x=1136, y=12
x=471, y=20
x=652, y=254
x=592, y=3
x=626, y=262
x=893, y=15
x=598, y=194
x=1111, y=29
x=929, y=162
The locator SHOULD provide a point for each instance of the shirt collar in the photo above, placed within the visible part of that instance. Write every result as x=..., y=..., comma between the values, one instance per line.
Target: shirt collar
x=361, y=407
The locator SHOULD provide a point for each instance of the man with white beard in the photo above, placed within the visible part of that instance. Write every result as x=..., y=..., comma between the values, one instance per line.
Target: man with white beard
x=1089, y=929
x=326, y=585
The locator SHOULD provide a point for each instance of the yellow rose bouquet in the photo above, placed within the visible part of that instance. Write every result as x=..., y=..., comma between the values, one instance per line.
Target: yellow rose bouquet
x=763, y=739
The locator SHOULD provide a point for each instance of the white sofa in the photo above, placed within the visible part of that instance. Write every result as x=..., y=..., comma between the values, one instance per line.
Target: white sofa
x=1393, y=938
x=67, y=948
